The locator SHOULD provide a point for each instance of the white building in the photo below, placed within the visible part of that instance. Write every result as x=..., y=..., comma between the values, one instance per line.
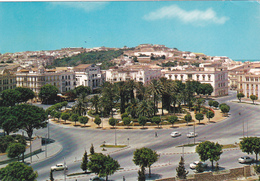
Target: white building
x=207, y=73
x=134, y=72
x=35, y=78
x=88, y=75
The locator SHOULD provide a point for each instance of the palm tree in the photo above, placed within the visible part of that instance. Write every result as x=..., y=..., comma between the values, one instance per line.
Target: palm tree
x=108, y=98
x=155, y=89
x=121, y=90
x=130, y=86
x=199, y=102
x=94, y=101
x=80, y=107
x=168, y=91
x=140, y=91
x=132, y=109
x=145, y=108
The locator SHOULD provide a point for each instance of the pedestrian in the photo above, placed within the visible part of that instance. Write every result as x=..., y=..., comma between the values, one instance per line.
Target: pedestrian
x=123, y=178
x=156, y=134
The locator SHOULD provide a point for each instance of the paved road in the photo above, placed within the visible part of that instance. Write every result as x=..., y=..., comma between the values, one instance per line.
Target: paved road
x=75, y=140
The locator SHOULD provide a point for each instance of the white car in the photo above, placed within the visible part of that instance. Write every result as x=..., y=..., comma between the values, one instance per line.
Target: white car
x=194, y=164
x=245, y=159
x=59, y=166
x=192, y=135
x=175, y=134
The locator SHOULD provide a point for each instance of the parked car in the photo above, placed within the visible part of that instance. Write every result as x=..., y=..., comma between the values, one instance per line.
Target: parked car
x=58, y=167
x=192, y=135
x=175, y=134
x=245, y=159
x=194, y=164
x=96, y=178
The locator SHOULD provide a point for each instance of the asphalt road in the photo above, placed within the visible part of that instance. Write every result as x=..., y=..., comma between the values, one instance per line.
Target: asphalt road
x=76, y=140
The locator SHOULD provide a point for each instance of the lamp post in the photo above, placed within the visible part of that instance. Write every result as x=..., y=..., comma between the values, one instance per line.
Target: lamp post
x=115, y=135
x=242, y=124
x=45, y=146
x=194, y=132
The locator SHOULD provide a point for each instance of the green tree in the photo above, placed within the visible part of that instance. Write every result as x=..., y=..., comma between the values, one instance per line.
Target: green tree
x=9, y=123
x=209, y=151
x=141, y=174
x=145, y=108
x=253, y=98
x=145, y=157
x=124, y=115
x=172, y=119
x=30, y=117
x=142, y=120
x=4, y=142
x=181, y=171
x=108, y=98
x=57, y=115
x=215, y=104
x=48, y=93
x=26, y=94
x=83, y=120
x=82, y=90
x=121, y=89
x=210, y=103
x=199, y=116
x=157, y=120
x=18, y=171
x=94, y=102
x=103, y=165
x=155, y=89
x=10, y=97
x=210, y=115
x=140, y=91
x=112, y=122
x=132, y=109
x=64, y=104
x=127, y=121
x=199, y=102
x=92, y=151
x=15, y=150
x=207, y=89
x=224, y=108
x=80, y=107
x=199, y=168
x=240, y=95
x=84, y=163
x=187, y=118
x=97, y=120
x=65, y=116
x=250, y=145
x=74, y=118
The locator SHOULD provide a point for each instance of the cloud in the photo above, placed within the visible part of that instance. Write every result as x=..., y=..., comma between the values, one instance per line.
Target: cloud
x=195, y=16
x=86, y=6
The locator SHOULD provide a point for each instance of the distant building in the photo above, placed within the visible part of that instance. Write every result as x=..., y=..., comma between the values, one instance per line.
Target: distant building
x=7, y=79
x=88, y=75
x=207, y=73
x=134, y=72
x=34, y=78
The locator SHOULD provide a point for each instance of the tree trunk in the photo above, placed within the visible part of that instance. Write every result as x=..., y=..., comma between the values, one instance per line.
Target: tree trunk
x=106, y=177
x=212, y=164
x=149, y=171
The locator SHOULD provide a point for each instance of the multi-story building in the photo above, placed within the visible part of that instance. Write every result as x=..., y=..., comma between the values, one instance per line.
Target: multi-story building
x=137, y=73
x=7, y=79
x=88, y=75
x=248, y=80
x=35, y=78
x=216, y=75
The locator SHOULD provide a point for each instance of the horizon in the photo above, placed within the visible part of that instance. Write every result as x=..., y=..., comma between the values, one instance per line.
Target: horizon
x=215, y=28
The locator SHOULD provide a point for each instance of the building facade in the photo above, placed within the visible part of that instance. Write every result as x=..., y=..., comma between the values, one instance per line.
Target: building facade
x=134, y=72
x=213, y=74
x=7, y=79
x=35, y=78
x=88, y=75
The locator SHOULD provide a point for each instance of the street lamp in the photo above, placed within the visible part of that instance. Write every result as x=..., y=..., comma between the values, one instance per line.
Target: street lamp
x=115, y=135
x=45, y=146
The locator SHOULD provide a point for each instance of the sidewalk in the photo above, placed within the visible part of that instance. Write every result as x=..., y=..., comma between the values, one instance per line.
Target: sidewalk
x=52, y=150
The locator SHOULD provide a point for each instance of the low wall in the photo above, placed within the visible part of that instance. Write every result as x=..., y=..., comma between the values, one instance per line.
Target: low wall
x=232, y=174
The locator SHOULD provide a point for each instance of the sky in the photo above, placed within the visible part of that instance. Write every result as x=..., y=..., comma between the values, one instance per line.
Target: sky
x=216, y=28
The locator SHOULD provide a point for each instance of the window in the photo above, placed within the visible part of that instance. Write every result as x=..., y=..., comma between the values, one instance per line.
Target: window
x=181, y=77
x=209, y=76
x=198, y=77
x=203, y=77
x=176, y=77
x=247, y=78
x=256, y=79
x=189, y=76
x=170, y=76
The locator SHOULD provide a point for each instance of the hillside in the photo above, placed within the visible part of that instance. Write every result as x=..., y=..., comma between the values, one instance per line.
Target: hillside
x=94, y=57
